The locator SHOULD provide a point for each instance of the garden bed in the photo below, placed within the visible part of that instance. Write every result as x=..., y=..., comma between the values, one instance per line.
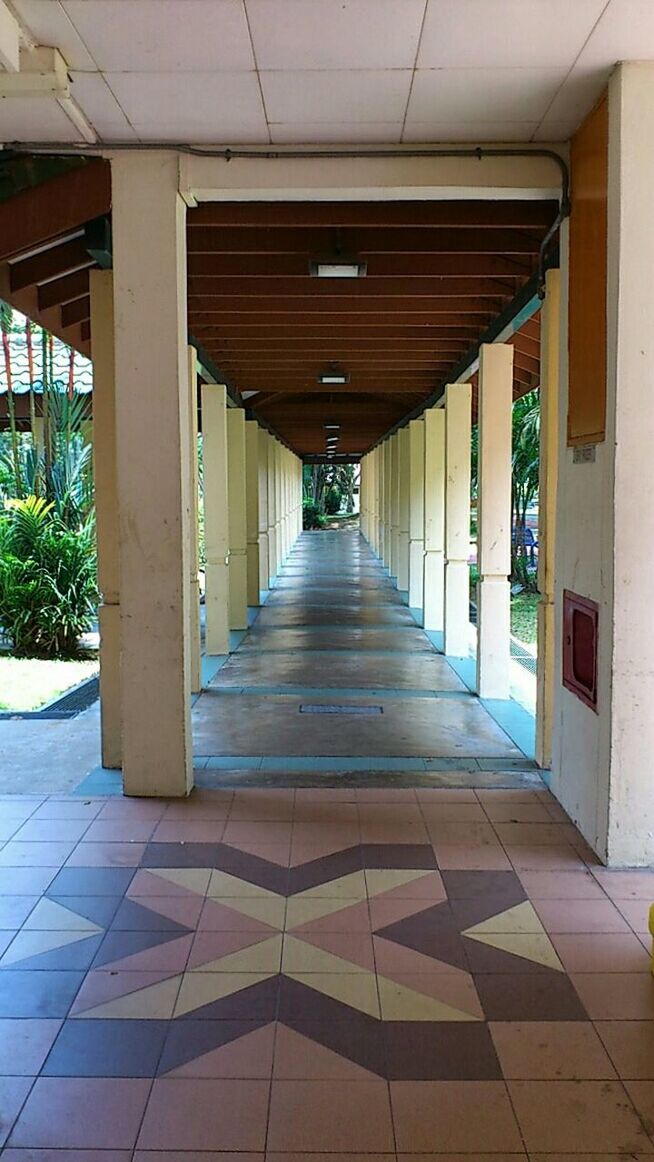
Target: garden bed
x=29, y=683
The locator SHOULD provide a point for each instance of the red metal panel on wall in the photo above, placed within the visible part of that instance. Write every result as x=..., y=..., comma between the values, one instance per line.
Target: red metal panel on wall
x=580, y=624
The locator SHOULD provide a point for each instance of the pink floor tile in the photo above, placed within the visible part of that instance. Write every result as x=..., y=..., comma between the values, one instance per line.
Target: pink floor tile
x=52, y=830
x=120, y=831
x=577, y=1115
x=82, y=1113
x=550, y=1050
x=616, y=996
x=247, y=832
x=636, y=913
x=106, y=855
x=580, y=916
x=330, y=1116
x=13, y=1091
x=189, y=831
x=561, y=885
x=534, y=857
x=466, y=857
x=205, y=1114
x=626, y=885
x=35, y=854
x=631, y=1047
x=441, y=1116
x=602, y=952
x=146, y=809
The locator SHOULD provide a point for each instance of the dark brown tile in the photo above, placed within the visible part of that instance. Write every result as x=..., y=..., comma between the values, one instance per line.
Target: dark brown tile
x=107, y=1048
x=440, y=1051
x=537, y=996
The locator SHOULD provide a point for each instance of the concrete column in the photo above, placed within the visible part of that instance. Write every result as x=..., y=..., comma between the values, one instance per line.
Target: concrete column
x=262, y=479
x=404, y=483
x=252, y=509
x=550, y=339
x=395, y=505
x=238, y=602
x=495, y=395
x=434, y=521
x=388, y=476
x=150, y=312
x=416, y=516
x=216, y=518
x=458, y=399
x=195, y=643
x=106, y=512
x=379, y=501
x=272, y=512
x=279, y=531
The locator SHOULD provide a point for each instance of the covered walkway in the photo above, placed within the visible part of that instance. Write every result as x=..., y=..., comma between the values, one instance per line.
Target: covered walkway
x=334, y=675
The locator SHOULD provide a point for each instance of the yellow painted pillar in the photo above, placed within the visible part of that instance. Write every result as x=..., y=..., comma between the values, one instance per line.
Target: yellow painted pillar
x=434, y=521
x=494, y=520
x=395, y=505
x=194, y=546
x=216, y=522
x=388, y=492
x=252, y=509
x=279, y=538
x=238, y=604
x=106, y=512
x=416, y=515
x=458, y=402
x=262, y=484
x=272, y=512
x=150, y=335
x=403, y=485
x=550, y=338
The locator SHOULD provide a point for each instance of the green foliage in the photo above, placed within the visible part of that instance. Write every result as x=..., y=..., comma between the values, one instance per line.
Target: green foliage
x=312, y=516
x=526, y=462
x=48, y=590
x=333, y=498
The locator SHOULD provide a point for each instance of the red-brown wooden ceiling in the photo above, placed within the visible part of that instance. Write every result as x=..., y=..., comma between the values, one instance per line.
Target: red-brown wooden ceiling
x=438, y=274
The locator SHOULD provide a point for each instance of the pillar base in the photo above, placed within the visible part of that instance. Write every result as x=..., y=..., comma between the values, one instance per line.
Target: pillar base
x=434, y=591
x=110, y=714
x=493, y=637
x=238, y=606
x=416, y=562
x=457, y=609
x=217, y=607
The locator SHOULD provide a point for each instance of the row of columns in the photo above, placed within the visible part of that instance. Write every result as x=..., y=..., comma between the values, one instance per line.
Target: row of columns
x=417, y=484
x=147, y=494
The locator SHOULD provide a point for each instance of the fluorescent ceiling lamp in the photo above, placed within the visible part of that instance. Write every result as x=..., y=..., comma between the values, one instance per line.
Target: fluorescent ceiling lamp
x=332, y=427
x=338, y=268
x=333, y=377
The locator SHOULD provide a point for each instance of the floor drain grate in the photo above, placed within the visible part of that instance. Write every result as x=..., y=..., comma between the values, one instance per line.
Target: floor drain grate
x=307, y=708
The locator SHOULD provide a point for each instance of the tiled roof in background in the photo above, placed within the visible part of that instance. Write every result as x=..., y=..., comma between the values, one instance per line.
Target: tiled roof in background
x=82, y=367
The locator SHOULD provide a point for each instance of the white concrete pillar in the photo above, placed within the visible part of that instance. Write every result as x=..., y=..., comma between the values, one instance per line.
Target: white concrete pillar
x=195, y=641
x=238, y=603
x=272, y=512
x=379, y=501
x=395, y=505
x=106, y=512
x=150, y=312
x=550, y=339
x=434, y=521
x=416, y=516
x=216, y=518
x=279, y=531
x=264, y=574
x=388, y=492
x=403, y=486
x=495, y=396
x=458, y=400
x=252, y=509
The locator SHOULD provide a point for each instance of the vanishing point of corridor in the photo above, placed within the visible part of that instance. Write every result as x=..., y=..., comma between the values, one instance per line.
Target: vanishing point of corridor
x=308, y=958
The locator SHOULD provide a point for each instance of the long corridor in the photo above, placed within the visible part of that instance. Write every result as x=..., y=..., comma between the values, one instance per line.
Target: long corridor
x=335, y=668
x=364, y=961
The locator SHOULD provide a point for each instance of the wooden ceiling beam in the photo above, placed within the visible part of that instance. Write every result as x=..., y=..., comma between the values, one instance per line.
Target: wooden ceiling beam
x=52, y=263
x=369, y=387
x=379, y=266
x=301, y=308
x=63, y=290
x=354, y=327
x=54, y=208
x=357, y=290
x=76, y=312
x=316, y=243
x=451, y=214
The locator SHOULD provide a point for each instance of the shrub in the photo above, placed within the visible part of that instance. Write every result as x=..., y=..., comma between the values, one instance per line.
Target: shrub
x=312, y=517
x=48, y=590
x=333, y=498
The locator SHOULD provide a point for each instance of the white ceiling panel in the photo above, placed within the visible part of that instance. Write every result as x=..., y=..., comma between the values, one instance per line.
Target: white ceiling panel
x=576, y=97
x=194, y=107
x=161, y=35
x=347, y=34
x=93, y=94
x=49, y=24
x=625, y=32
x=556, y=131
x=482, y=94
x=510, y=33
x=336, y=96
x=470, y=131
x=35, y=120
x=344, y=132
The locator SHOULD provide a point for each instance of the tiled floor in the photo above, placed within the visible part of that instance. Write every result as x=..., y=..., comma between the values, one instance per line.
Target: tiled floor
x=300, y=971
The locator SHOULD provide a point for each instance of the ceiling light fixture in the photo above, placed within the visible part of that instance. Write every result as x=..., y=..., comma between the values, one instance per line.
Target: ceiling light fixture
x=337, y=268
x=333, y=375
x=332, y=427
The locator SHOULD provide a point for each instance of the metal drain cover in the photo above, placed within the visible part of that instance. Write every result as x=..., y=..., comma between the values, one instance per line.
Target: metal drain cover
x=308, y=708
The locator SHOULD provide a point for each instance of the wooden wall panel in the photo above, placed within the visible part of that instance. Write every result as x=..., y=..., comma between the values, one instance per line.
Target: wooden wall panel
x=588, y=264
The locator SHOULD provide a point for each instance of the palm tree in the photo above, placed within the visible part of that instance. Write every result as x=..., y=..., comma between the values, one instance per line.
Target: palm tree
x=526, y=458
x=6, y=323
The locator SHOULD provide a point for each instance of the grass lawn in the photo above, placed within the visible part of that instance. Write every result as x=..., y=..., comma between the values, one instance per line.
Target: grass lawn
x=524, y=617
x=27, y=683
